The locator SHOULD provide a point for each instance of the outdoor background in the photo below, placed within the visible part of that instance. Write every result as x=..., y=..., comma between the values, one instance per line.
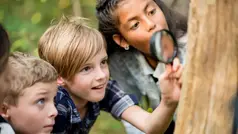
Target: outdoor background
x=26, y=20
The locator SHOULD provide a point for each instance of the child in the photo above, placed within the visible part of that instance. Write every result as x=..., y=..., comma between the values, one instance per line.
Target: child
x=28, y=103
x=4, y=48
x=78, y=53
x=127, y=26
x=4, y=52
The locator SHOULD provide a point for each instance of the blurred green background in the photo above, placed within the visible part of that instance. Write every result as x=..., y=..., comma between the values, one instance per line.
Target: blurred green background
x=26, y=20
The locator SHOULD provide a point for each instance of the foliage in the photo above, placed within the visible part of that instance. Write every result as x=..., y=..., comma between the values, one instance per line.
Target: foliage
x=26, y=20
x=105, y=124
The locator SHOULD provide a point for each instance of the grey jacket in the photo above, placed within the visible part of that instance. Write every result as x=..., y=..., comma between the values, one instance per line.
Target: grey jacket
x=132, y=72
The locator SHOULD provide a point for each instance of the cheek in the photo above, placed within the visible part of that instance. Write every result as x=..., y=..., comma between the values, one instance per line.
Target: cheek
x=29, y=112
x=30, y=119
x=80, y=82
x=160, y=20
x=107, y=73
x=140, y=40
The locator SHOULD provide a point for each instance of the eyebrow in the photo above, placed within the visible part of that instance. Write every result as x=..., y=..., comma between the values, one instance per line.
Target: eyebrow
x=106, y=57
x=146, y=6
x=42, y=92
x=90, y=63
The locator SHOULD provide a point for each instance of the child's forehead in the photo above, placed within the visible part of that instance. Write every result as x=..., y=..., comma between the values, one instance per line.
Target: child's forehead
x=128, y=9
x=97, y=56
x=40, y=88
x=134, y=3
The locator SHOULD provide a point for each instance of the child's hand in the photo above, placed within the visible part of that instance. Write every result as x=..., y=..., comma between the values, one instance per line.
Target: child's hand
x=170, y=83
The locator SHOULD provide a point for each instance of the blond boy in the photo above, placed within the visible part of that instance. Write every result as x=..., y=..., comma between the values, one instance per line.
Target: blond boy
x=28, y=101
x=78, y=53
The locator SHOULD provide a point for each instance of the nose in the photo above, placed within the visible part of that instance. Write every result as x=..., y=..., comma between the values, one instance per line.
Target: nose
x=151, y=25
x=100, y=74
x=53, y=111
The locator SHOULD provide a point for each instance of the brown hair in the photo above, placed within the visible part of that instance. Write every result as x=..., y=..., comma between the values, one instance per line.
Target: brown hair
x=70, y=44
x=24, y=71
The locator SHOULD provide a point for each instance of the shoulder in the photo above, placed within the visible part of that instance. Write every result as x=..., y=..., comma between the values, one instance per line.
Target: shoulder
x=121, y=56
x=115, y=91
x=122, y=63
x=62, y=100
x=5, y=128
x=183, y=39
x=182, y=47
x=62, y=95
x=113, y=87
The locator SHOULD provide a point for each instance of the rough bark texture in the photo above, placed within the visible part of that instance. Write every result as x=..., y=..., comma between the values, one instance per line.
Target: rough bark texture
x=210, y=77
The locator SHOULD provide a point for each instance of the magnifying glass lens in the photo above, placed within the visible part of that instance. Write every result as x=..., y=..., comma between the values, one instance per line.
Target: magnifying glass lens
x=163, y=46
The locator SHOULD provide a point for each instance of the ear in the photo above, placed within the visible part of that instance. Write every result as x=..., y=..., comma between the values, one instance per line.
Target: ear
x=120, y=40
x=5, y=111
x=60, y=81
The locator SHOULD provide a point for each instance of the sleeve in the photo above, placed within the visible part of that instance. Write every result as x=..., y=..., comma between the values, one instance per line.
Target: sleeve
x=116, y=101
x=61, y=121
x=5, y=128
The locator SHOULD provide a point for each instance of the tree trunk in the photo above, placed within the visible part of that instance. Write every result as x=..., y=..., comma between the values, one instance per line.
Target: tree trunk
x=210, y=79
x=76, y=6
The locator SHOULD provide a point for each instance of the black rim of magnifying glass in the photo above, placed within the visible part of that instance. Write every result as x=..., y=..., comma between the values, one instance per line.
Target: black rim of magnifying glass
x=152, y=47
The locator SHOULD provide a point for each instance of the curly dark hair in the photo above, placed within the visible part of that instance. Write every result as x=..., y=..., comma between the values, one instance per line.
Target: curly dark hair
x=108, y=22
x=4, y=48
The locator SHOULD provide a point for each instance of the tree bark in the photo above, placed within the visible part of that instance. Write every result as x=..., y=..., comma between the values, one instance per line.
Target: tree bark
x=210, y=78
x=76, y=6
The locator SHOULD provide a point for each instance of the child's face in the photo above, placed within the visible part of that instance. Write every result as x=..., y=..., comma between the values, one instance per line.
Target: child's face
x=138, y=20
x=90, y=82
x=35, y=111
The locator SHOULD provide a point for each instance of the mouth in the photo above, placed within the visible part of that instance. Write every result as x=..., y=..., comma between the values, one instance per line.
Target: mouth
x=99, y=87
x=49, y=126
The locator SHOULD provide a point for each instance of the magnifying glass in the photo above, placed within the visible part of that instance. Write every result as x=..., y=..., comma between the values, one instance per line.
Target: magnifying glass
x=163, y=46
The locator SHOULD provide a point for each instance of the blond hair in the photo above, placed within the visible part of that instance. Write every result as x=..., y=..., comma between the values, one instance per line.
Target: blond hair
x=70, y=44
x=24, y=71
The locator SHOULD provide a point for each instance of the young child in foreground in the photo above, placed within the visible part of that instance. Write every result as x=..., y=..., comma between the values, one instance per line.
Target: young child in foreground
x=78, y=53
x=28, y=102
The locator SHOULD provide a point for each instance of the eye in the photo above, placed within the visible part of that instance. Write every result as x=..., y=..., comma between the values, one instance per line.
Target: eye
x=135, y=26
x=41, y=101
x=86, y=69
x=152, y=12
x=104, y=62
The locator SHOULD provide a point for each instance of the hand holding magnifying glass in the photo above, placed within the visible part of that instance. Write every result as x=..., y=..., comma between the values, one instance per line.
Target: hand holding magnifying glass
x=164, y=48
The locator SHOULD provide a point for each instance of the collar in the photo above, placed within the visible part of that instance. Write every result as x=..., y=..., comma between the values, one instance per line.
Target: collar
x=93, y=108
x=74, y=114
x=146, y=68
x=160, y=68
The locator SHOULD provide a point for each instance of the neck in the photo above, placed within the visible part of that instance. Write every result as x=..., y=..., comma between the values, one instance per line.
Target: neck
x=81, y=105
x=152, y=62
x=78, y=102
